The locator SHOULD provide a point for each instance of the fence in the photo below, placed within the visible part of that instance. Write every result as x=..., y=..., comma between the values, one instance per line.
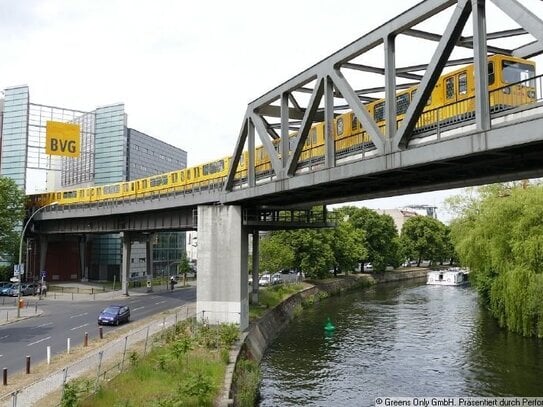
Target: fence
x=102, y=363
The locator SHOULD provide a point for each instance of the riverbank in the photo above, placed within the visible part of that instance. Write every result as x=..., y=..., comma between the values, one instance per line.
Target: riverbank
x=262, y=332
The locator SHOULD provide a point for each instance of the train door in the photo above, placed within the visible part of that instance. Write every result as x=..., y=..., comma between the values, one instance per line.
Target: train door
x=456, y=95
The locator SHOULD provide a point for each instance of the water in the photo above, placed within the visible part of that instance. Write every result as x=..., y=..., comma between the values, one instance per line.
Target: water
x=401, y=339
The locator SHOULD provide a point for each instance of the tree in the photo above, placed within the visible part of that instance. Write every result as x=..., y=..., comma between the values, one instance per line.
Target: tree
x=426, y=238
x=184, y=268
x=12, y=212
x=347, y=244
x=500, y=237
x=275, y=252
x=381, y=236
x=313, y=253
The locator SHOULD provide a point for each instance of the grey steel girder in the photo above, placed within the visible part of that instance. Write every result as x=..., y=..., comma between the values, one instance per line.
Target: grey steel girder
x=332, y=92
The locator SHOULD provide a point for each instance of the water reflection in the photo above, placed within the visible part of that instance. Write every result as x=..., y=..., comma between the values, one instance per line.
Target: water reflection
x=405, y=339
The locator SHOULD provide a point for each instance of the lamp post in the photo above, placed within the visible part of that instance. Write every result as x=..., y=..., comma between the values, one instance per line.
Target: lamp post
x=21, y=252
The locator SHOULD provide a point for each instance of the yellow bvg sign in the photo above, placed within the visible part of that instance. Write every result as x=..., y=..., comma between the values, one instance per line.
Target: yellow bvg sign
x=62, y=139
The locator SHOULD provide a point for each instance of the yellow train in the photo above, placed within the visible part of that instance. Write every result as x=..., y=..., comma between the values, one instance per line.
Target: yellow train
x=510, y=82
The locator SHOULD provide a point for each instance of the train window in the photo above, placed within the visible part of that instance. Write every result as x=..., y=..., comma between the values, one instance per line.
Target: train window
x=182, y=175
x=354, y=122
x=144, y=183
x=491, y=75
x=339, y=126
x=463, y=83
x=314, y=137
x=69, y=194
x=213, y=167
x=449, y=88
x=188, y=174
x=174, y=177
x=402, y=103
x=160, y=180
x=516, y=71
x=379, y=112
x=112, y=189
x=58, y=195
x=125, y=187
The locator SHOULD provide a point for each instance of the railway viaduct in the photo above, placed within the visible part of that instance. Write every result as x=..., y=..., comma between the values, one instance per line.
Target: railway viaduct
x=488, y=146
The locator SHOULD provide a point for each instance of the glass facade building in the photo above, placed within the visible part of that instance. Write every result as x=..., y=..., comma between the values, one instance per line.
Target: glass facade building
x=110, y=152
x=15, y=135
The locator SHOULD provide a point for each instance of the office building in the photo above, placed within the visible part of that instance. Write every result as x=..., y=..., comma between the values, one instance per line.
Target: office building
x=110, y=152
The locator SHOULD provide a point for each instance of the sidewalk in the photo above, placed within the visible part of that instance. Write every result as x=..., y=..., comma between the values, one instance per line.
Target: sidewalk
x=8, y=313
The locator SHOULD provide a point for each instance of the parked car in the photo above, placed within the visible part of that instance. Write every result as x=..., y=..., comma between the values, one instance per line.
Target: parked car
x=5, y=287
x=114, y=315
x=264, y=280
x=26, y=289
x=368, y=267
x=276, y=278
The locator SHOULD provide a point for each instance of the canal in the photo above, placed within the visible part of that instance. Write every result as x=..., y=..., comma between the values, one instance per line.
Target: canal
x=398, y=339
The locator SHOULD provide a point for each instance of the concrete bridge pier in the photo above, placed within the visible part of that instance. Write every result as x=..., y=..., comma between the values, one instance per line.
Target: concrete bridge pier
x=125, y=262
x=222, y=290
x=43, y=251
x=82, y=257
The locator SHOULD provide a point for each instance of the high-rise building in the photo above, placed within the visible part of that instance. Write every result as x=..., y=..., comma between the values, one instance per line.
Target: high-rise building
x=109, y=152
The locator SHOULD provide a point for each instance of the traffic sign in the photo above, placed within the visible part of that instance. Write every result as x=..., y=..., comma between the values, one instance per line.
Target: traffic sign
x=18, y=269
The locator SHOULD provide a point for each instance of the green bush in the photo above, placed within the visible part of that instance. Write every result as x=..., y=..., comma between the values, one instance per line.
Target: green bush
x=247, y=382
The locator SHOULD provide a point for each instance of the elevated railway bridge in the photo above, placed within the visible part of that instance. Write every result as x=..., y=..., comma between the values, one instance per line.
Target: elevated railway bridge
x=479, y=137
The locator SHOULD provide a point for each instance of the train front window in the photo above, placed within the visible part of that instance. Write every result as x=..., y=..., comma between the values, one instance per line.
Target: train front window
x=517, y=72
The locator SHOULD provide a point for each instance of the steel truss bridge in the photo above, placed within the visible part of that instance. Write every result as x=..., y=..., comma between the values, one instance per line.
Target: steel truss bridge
x=487, y=146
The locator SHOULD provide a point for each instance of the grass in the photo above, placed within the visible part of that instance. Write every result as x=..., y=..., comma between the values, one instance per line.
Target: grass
x=271, y=296
x=186, y=369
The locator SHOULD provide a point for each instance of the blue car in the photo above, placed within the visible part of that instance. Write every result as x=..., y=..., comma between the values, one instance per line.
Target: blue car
x=6, y=288
x=114, y=315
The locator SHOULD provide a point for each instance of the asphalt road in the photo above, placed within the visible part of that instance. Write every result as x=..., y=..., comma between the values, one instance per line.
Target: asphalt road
x=72, y=319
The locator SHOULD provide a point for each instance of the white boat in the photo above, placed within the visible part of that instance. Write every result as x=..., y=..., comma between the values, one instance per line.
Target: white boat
x=451, y=276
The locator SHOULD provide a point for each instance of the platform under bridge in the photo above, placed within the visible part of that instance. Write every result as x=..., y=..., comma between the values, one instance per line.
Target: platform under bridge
x=284, y=218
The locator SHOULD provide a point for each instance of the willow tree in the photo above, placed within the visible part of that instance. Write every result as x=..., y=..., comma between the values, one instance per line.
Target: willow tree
x=500, y=237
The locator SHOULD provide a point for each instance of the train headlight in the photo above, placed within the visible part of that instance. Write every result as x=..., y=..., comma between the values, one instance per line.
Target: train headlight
x=507, y=90
x=531, y=94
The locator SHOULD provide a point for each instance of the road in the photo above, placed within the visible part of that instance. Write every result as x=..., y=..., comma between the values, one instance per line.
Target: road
x=72, y=319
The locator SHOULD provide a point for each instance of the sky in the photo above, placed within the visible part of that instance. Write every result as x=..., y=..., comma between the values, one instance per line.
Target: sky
x=184, y=70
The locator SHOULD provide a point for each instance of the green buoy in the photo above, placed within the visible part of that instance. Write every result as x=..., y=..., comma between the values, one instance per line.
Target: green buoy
x=329, y=327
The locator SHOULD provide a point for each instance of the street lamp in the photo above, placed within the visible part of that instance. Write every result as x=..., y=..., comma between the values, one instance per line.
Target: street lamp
x=21, y=252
